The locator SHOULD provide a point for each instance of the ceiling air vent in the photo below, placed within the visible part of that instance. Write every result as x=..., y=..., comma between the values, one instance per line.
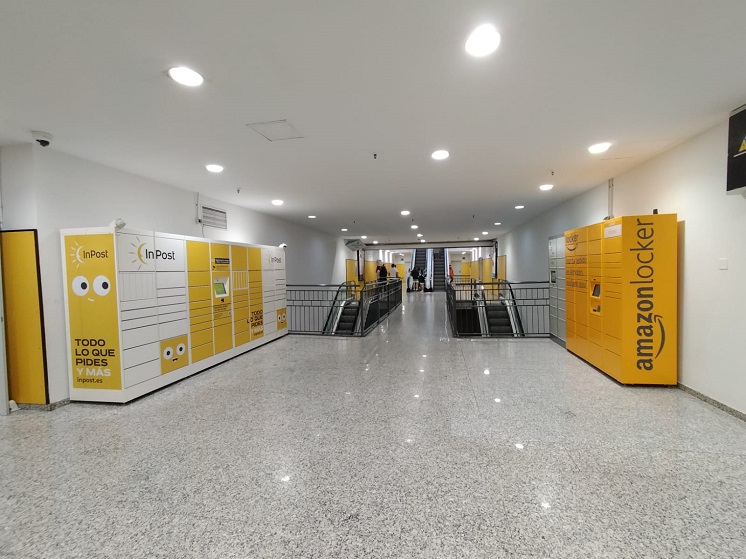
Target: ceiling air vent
x=276, y=130
x=214, y=217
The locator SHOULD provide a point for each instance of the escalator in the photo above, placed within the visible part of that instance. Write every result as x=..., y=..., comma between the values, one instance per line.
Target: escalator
x=498, y=318
x=347, y=319
x=439, y=270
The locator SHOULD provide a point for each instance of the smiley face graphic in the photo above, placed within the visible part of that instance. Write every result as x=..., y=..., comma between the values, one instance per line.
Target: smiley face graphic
x=174, y=354
x=282, y=319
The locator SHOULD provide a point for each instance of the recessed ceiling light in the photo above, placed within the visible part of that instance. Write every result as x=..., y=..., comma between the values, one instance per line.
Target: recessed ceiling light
x=599, y=148
x=483, y=40
x=440, y=154
x=405, y=212
x=419, y=234
x=519, y=207
x=414, y=226
x=463, y=252
x=363, y=237
x=485, y=233
x=311, y=217
x=546, y=187
x=277, y=202
x=476, y=238
x=214, y=168
x=185, y=76
x=423, y=241
x=375, y=242
x=344, y=229
x=498, y=223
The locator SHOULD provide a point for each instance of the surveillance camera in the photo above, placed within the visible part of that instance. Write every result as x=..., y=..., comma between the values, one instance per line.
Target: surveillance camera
x=283, y=245
x=43, y=138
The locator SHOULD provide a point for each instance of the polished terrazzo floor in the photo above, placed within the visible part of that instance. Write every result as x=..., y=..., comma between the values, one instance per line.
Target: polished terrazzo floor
x=407, y=443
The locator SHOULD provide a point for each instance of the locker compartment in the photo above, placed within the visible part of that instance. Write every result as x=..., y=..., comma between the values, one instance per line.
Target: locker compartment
x=613, y=364
x=168, y=330
x=167, y=280
x=241, y=326
x=167, y=309
x=613, y=245
x=139, y=336
x=179, y=299
x=172, y=292
x=239, y=258
x=139, y=313
x=197, y=279
x=141, y=373
x=200, y=293
x=198, y=256
x=243, y=338
x=241, y=314
x=140, y=354
x=173, y=316
x=612, y=344
x=223, y=338
x=202, y=352
x=197, y=306
x=222, y=322
x=137, y=304
x=201, y=337
x=136, y=285
x=139, y=322
x=200, y=322
x=201, y=311
x=613, y=317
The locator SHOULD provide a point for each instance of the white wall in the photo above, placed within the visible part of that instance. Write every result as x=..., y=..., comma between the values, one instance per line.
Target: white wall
x=688, y=180
x=64, y=191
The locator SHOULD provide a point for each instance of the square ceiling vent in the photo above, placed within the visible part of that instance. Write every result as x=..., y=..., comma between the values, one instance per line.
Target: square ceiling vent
x=275, y=130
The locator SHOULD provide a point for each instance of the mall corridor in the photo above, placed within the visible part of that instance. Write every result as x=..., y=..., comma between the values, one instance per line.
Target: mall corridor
x=407, y=443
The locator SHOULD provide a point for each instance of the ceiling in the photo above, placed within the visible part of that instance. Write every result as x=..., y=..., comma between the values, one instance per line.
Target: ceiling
x=390, y=78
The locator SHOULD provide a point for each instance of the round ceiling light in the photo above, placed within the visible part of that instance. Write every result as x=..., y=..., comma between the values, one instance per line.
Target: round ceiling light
x=485, y=233
x=277, y=202
x=483, y=40
x=476, y=238
x=519, y=207
x=423, y=241
x=405, y=212
x=415, y=226
x=599, y=148
x=440, y=155
x=185, y=76
x=363, y=237
x=375, y=242
x=498, y=223
x=214, y=168
x=419, y=234
x=343, y=229
x=311, y=217
x=546, y=187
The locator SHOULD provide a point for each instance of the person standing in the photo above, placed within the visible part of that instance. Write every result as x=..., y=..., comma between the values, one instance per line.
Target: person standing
x=450, y=273
x=383, y=274
x=394, y=272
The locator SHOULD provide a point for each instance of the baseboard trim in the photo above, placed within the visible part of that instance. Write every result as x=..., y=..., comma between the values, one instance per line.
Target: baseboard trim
x=727, y=409
x=44, y=407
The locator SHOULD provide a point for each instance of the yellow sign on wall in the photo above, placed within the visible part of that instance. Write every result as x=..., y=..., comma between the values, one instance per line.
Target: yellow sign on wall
x=92, y=306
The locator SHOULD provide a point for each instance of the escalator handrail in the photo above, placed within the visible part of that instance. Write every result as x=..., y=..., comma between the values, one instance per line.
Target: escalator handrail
x=335, y=302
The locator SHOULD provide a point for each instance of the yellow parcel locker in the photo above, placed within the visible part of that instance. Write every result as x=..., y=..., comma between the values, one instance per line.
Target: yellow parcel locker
x=624, y=320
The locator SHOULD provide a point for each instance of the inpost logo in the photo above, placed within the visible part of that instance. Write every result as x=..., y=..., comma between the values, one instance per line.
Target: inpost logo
x=137, y=253
x=142, y=255
x=649, y=325
x=78, y=254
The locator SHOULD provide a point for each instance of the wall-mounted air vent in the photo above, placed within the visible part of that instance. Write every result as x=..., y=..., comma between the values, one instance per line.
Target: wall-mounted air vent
x=214, y=217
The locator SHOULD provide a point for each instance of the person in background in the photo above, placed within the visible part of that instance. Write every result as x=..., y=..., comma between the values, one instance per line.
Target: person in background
x=450, y=274
x=422, y=279
x=383, y=274
x=415, y=279
x=394, y=273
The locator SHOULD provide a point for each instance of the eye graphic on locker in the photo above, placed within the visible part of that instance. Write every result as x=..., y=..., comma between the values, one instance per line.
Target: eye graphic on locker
x=282, y=319
x=81, y=286
x=173, y=354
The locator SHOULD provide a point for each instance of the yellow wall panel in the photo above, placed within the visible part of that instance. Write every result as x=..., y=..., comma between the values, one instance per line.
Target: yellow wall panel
x=24, y=334
x=255, y=258
x=239, y=258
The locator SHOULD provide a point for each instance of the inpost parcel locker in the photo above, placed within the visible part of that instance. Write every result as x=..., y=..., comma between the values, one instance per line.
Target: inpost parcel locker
x=145, y=309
